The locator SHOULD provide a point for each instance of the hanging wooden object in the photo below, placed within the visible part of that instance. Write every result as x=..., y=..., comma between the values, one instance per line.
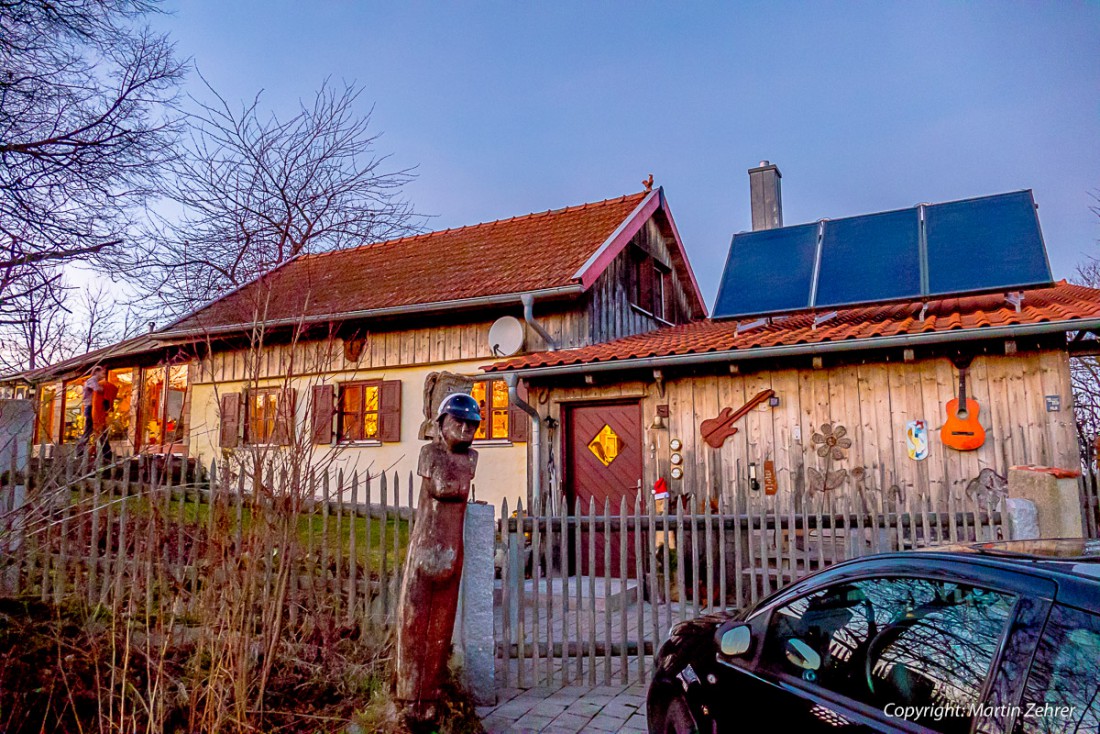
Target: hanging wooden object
x=771, y=482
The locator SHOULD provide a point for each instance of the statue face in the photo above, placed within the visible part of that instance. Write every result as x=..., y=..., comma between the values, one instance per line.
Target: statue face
x=457, y=434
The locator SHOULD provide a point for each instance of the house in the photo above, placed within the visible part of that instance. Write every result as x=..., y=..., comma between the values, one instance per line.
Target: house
x=828, y=365
x=332, y=350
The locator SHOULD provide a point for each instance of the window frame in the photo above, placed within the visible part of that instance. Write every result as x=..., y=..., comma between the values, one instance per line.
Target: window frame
x=250, y=398
x=648, y=292
x=487, y=419
x=340, y=412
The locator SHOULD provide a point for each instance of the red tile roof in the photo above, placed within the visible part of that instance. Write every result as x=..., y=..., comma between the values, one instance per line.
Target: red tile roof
x=527, y=253
x=1061, y=302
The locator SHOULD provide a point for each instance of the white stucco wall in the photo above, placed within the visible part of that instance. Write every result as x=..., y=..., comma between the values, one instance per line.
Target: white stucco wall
x=502, y=466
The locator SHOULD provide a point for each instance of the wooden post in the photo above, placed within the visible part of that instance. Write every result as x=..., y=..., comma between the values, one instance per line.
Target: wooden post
x=428, y=599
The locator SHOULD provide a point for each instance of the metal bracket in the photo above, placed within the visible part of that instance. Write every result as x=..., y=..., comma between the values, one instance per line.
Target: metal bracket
x=742, y=328
x=659, y=380
x=1016, y=298
x=821, y=319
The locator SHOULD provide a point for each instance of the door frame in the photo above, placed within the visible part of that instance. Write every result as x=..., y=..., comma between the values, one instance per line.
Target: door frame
x=568, y=490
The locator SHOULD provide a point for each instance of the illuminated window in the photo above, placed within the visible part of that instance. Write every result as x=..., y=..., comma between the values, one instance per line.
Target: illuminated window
x=359, y=403
x=492, y=396
x=263, y=407
x=72, y=413
x=44, y=427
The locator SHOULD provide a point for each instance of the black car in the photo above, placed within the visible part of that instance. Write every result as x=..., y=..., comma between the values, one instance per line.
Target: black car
x=999, y=638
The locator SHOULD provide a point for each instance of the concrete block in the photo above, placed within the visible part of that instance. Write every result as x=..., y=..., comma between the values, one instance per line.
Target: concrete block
x=1056, y=497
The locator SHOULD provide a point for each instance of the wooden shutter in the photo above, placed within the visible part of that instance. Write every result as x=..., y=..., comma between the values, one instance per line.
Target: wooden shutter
x=389, y=411
x=284, y=417
x=519, y=423
x=229, y=435
x=323, y=408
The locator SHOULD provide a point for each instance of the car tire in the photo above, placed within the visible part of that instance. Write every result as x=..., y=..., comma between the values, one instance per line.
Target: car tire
x=677, y=719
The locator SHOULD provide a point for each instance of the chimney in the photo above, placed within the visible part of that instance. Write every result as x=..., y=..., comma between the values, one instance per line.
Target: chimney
x=766, y=198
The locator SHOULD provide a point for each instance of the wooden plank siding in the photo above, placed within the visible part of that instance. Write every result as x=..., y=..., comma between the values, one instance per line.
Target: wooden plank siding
x=872, y=401
x=610, y=313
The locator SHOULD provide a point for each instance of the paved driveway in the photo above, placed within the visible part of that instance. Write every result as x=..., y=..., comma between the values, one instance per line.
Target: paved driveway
x=568, y=710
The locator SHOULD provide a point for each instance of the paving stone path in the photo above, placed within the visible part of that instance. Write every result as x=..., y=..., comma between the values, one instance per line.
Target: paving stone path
x=568, y=710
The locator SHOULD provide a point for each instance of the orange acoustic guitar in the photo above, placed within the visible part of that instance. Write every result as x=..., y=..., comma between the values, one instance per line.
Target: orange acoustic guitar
x=962, y=431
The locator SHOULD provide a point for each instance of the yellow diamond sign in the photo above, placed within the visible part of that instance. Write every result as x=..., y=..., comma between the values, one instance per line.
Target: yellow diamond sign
x=605, y=445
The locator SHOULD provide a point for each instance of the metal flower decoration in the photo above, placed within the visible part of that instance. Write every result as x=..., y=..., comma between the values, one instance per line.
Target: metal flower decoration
x=832, y=441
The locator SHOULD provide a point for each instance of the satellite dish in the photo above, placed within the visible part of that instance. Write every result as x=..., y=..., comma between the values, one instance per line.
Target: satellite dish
x=506, y=336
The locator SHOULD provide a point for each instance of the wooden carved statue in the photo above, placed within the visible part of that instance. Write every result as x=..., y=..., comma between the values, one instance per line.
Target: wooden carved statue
x=433, y=568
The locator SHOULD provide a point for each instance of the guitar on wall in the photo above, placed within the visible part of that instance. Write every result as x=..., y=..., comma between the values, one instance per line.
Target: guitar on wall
x=962, y=431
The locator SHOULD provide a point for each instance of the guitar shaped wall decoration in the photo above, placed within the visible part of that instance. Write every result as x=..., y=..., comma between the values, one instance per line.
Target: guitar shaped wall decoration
x=715, y=431
x=962, y=431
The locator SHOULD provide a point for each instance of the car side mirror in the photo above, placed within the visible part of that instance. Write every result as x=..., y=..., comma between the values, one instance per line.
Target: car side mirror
x=801, y=655
x=736, y=641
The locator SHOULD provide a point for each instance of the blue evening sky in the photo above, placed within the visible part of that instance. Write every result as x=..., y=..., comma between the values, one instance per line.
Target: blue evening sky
x=508, y=108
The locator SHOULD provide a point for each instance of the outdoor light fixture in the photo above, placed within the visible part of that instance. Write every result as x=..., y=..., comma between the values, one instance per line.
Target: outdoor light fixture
x=754, y=484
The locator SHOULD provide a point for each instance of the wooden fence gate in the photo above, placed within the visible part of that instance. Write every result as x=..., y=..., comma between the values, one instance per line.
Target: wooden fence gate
x=556, y=626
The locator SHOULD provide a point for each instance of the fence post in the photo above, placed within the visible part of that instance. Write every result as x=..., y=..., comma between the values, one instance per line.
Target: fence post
x=474, y=643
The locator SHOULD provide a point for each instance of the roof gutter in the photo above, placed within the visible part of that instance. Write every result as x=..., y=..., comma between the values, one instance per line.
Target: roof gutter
x=410, y=309
x=794, y=350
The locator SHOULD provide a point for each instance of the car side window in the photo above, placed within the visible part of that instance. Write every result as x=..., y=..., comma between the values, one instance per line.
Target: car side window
x=914, y=648
x=1062, y=693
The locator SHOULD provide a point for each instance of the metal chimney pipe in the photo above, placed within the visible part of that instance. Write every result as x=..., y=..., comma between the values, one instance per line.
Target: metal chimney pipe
x=765, y=196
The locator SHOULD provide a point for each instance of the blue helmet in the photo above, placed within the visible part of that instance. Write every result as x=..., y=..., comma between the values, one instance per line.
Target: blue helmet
x=461, y=406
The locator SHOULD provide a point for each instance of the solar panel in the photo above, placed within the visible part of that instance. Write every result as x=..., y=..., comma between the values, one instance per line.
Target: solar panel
x=985, y=244
x=871, y=258
x=975, y=245
x=767, y=271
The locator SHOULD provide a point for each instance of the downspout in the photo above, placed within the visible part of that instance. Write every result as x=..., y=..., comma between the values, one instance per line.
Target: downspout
x=534, y=457
x=528, y=301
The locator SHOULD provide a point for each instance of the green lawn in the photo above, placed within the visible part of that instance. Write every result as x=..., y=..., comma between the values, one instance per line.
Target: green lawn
x=311, y=529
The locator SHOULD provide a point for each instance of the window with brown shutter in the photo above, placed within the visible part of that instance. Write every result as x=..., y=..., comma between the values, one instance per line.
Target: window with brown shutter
x=322, y=411
x=519, y=423
x=230, y=429
x=500, y=419
x=369, y=411
x=285, y=410
x=389, y=411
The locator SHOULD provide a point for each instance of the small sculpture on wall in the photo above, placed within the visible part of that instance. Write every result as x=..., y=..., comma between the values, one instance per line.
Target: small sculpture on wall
x=988, y=486
x=831, y=444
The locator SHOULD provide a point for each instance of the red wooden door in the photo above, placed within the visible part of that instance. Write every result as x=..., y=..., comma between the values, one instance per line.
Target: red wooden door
x=604, y=462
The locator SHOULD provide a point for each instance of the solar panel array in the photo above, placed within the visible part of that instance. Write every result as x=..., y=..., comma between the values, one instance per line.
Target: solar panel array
x=975, y=245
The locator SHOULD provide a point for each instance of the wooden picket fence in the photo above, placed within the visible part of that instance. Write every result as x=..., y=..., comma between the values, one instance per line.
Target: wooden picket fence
x=657, y=563
x=143, y=533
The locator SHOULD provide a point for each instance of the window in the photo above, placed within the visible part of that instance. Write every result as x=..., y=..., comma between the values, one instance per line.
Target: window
x=891, y=643
x=263, y=411
x=1062, y=693
x=72, y=413
x=118, y=419
x=44, y=427
x=492, y=396
x=649, y=283
x=359, y=411
x=161, y=408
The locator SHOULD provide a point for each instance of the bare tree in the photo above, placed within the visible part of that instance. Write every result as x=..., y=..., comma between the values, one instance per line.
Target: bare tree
x=256, y=190
x=85, y=125
x=37, y=331
x=1085, y=370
